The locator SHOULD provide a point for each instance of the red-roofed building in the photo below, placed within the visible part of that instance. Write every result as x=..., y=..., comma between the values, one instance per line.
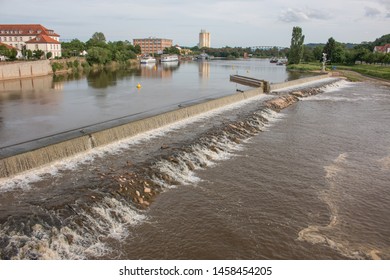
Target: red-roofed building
x=382, y=49
x=31, y=36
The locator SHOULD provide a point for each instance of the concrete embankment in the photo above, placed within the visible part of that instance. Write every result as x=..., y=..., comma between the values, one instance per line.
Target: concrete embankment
x=298, y=82
x=27, y=69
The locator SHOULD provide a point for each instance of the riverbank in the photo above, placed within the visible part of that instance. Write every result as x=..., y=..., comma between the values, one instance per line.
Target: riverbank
x=31, y=69
x=364, y=71
x=27, y=69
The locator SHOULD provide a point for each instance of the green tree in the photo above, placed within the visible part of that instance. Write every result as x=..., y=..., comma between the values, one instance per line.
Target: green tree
x=49, y=55
x=308, y=54
x=97, y=40
x=361, y=53
x=72, y=48
x=172, y=50
x=98, y=55
x=329, y=49
x=296, y=48
x=339, y=53
x=386, y=59
x=38, y=54
x=29, y=54
x=98, y=37
x=317, y=52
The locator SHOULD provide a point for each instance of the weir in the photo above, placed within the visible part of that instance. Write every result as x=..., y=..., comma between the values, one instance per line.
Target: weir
x=19, y=158
x=39, y=152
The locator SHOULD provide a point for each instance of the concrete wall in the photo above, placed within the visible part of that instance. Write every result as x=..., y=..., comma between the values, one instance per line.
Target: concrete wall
x=298, y=82
x=19, y=70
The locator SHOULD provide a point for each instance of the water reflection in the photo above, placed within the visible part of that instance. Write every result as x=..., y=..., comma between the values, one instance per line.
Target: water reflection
x=204, y=69
x=33, y=108
x=29, y=84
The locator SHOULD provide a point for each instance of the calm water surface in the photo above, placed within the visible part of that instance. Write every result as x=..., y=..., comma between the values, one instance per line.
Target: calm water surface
x=31, y=109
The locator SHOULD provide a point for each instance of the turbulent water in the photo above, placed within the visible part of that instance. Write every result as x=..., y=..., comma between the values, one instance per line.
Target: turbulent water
x=249, y=182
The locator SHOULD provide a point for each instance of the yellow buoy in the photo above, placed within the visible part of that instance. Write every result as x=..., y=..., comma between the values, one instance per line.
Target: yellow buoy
x=139, y=86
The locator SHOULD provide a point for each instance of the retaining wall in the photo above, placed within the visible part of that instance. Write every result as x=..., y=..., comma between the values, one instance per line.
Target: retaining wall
x=28, y=69
x=299, y=82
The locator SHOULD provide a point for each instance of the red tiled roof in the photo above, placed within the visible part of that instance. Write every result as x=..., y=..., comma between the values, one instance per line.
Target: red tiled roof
x=25, y=30
x=43, y=39
x=382, y=48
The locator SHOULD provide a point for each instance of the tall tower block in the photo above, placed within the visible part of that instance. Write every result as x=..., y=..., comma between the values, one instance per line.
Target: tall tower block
x=204, y=39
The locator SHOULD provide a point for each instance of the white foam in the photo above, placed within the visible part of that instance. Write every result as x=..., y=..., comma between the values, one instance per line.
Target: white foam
x=109, y=218
x=308, y=84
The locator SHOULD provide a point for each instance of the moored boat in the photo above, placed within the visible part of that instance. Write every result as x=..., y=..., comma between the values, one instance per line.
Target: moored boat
x=169, y=58
x=148, y=59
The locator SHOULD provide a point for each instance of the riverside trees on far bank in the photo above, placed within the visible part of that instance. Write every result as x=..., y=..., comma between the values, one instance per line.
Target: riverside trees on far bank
x=98, y=51
x=336, y=52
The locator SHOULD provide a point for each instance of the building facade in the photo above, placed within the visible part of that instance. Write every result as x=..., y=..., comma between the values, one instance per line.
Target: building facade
x=204, y=39
x=31, y=37
x=153, y=45
x=382, y=49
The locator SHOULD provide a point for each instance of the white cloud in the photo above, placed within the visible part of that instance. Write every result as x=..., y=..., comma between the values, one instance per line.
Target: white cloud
x=301, y=15
x=371, y=12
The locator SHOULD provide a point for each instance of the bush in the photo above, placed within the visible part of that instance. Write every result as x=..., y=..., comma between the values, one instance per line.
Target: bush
x=57, y=66
x=76, y=63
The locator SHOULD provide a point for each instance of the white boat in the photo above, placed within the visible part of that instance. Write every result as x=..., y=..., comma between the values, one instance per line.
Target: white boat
x=169, y=58
x=148, y=59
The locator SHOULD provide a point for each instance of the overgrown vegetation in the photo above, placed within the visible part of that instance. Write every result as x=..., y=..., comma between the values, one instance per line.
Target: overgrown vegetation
x=360, y=58
x=100, y=52
x=342, y=53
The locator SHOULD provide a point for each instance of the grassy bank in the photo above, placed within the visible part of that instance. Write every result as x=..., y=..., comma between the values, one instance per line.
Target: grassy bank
x=376, y=71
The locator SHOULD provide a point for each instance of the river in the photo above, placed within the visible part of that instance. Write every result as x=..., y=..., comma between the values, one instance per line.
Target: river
x=308, y=182
x=43, y=106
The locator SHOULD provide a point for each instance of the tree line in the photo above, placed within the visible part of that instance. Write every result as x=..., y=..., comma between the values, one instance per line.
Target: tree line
x=99, y=51
x=336, y=52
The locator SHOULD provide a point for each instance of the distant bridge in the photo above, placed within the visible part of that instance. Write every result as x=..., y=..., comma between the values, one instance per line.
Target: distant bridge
x=267, y=48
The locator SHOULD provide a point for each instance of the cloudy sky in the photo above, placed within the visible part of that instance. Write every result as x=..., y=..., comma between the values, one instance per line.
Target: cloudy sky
x=231, y=23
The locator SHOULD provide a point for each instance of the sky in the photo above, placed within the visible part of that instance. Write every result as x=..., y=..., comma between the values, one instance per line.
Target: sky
x=244, y=23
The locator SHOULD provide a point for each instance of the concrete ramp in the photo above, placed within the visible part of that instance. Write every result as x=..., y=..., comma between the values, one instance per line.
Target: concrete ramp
x=251, y=82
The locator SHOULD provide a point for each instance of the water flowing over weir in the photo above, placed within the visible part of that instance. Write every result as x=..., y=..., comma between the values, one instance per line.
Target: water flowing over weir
x=79, y=224
x=19, y=162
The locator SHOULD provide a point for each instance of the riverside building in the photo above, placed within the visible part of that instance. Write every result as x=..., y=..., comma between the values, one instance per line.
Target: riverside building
x=152, y=45
x=31, y=37
x=204, y=39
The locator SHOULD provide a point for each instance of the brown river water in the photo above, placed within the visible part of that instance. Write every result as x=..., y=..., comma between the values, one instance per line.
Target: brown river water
x=309, y=182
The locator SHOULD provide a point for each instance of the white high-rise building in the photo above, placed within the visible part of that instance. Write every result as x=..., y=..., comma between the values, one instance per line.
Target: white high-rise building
x=204, y=39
